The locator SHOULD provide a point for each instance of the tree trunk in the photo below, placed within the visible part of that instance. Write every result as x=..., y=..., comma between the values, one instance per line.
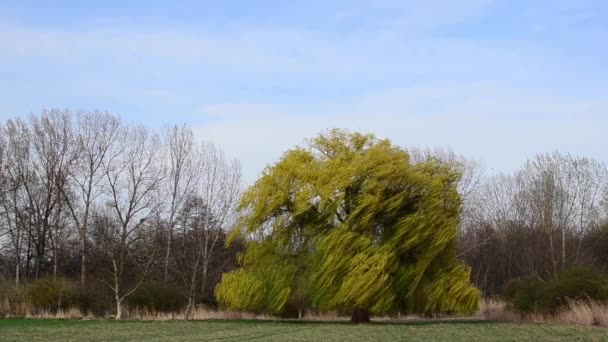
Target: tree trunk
x=167, y=256
x=191, y=295
x=83, y=248
x=17, y=269
x=39, y=258
x=360, y=316
x=55, y=262
x=83, y=260
x=28, y=258
x=204, y=280
x=190, y=308
x=563, y=249
x=116, y=289
x=118, y=308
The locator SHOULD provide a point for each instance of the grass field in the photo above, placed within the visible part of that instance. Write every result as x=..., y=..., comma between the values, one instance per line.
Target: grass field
x=101, y=330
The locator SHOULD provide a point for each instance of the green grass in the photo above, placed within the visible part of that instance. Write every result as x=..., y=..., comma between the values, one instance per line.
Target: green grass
x=103, y=330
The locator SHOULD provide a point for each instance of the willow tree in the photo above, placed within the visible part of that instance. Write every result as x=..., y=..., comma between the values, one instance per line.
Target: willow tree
x=349, y=223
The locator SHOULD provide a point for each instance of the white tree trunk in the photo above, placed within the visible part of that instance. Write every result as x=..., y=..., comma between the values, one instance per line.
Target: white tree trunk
x=118, y=308
x=55, y=262
x=17, y=270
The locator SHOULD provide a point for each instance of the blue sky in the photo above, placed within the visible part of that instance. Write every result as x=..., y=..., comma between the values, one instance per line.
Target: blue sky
x=495, y=80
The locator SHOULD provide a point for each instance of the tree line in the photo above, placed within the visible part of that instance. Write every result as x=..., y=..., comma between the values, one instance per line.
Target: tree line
x=548, y=216
x=545, y=218
x=86, y=195
x=89, y=197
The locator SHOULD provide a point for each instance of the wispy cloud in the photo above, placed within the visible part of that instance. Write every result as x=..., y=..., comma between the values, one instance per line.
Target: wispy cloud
x=495, y=80
x=482, y=126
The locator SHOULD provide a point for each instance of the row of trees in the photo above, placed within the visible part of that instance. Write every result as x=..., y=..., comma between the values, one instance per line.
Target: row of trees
x=90, y=196
x=544, y=218
x=346, y=222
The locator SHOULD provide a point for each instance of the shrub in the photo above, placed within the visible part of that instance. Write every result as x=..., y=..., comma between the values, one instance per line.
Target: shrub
x=51, y=295
x=522, y=295
x=158, y=297
x=46, y=295
x=95, y=299
x=577, y=284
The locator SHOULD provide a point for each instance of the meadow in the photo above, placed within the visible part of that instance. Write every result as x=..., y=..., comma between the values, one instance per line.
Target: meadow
x=107, y=330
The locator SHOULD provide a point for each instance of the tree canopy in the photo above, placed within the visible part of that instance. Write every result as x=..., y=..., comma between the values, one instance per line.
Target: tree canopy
x=349, y=223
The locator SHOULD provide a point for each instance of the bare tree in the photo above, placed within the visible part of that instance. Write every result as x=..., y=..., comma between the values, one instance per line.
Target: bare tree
x=39, y=159
x=89, y=187
x=220, y=190
x=209, y=213
x=181, y=168
x=133, y=178
x=537, y=221
x=51, y=159
x=191, y=240
x=95, y=133
x=14, y=201
x=12, y=160
x=564, y=195
x=3, y=151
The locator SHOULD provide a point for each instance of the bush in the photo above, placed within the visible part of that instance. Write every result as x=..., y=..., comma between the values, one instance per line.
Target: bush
x=522, y=295
x=158, y=297
x=578, y=284
x=95, y=299
x=47, y=294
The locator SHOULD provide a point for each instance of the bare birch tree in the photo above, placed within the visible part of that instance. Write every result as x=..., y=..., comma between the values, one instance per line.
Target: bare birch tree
x=133, y=178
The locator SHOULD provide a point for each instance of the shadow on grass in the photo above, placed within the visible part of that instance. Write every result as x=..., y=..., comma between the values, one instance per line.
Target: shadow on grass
x=417, y=322
x=373, y=323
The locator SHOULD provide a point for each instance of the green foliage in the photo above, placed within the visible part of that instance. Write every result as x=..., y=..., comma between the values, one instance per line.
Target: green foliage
x=533, y=295
x=523, y=295
x=364, y=227
x=265, y=286
x=158, y=297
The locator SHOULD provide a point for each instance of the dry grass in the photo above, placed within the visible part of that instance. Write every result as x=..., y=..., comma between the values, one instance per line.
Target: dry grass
x=320, y=316
x=585, y=313
x=199, y=314
x=12, y=308
x=496, y=310
x=71, y=313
